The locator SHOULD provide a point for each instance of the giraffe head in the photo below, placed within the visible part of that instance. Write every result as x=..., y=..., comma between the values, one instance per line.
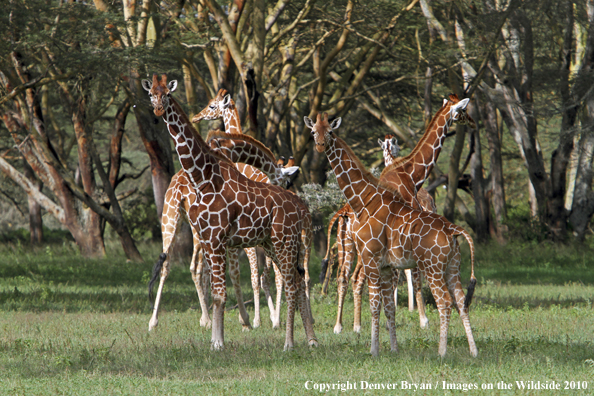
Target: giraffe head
x=322, y=131
x=289, y=172
x=216, y=107
x=458, y=111
x=159, y=92
x=390, y=147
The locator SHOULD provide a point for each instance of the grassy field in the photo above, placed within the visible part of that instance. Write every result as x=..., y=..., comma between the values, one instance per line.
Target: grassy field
x=74, y=326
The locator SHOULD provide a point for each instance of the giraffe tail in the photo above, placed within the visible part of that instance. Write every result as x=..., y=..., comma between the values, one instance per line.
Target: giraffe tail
x=156, y=272
x=472, y=283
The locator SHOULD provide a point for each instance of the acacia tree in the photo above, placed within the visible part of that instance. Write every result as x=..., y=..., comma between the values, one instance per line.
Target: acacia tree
x=35, y=58
x=507, y=81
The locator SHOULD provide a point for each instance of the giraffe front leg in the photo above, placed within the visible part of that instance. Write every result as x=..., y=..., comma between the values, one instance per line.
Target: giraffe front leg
x=254, y=276
x=305, y=311
x=244, y=319
x=217, y=258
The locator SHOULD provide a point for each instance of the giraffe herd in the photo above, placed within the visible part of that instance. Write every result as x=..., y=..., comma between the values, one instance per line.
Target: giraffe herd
x=233, y=192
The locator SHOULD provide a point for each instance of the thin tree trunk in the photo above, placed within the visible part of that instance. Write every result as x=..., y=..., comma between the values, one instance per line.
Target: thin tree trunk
x=489, y=117
x=35, y=219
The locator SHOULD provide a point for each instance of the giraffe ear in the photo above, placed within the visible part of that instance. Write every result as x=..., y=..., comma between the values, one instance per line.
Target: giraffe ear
x=289, y=170
x=172, y=86
x=336, y=123
x=147, y=85
x=226, y=101
x=381, y=143
x=463, y=103
x=445, y=102
x=308, y=122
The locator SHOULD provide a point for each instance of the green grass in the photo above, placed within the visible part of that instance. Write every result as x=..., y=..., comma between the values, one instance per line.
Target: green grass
x=75, y=326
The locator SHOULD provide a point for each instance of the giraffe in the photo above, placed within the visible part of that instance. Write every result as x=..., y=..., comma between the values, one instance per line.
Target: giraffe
x=234, y=212
x=223, y=106
x=240, y=145
x=181, y=195
x=408, y=183
x=389, y=234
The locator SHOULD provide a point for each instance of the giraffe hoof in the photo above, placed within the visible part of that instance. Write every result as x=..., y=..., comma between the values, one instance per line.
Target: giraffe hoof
x=474, y=352
x=288, y=347
x=153, y=323
x=424, y=323
x=257, y=323
x=245, y=328
x=357, y=328
x=338, y=329
x=313, y=343
x=216, y=346
x=205, y=322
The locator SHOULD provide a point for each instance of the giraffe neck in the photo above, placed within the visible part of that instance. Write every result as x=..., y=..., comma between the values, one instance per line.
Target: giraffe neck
x=241, y=148
x=360, y=187
x=231, y=119
x=195, y=156
x=419, y=163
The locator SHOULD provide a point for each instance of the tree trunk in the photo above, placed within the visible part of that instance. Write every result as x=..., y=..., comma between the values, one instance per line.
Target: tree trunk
x=489, y=117
x=478, y=189
x=35, y=219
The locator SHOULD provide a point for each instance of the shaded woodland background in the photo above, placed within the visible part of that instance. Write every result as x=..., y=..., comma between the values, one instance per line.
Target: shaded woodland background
x=81, y=151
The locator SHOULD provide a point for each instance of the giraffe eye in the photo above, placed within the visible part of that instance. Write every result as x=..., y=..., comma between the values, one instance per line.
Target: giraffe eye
x=212, y=107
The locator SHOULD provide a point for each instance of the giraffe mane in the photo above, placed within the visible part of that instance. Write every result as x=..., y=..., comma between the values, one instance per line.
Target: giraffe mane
x=401, y=161
x=367, y=174
x=218, y=134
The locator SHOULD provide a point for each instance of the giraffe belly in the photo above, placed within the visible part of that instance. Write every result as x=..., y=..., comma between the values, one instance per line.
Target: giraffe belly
x=397, y=258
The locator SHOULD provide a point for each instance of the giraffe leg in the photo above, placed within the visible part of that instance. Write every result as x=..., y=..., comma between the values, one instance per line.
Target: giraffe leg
x=455, y=288
x=164, y=273
x=244, y=318
x=217, y=258
x=265, y=280
x=395, y=277
x=375, y=297
x=416, y=279
x=358, y=283
x=305, y=253
x=440, y=292
x=253, y=259
x=169, y=220
x=345, y=259
x=278, y=280
x=411, y=290
x=388, y=280
x=201, y=275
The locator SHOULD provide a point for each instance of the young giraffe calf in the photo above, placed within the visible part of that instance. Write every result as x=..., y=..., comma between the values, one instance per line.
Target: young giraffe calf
x=389, y=234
